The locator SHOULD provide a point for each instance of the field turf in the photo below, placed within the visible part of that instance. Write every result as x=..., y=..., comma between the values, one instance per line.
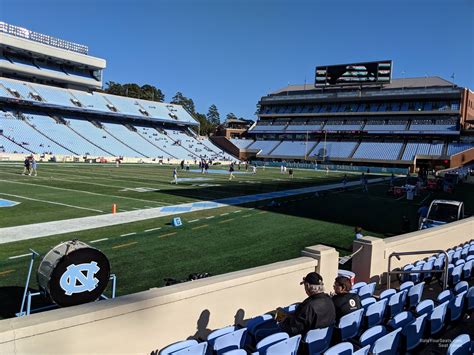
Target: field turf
x=215, y=241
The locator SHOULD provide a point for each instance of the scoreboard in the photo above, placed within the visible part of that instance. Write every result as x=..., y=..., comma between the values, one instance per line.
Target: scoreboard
x=354, y=74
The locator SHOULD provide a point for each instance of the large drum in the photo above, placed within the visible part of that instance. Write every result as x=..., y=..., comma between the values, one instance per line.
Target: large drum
x=73, y=273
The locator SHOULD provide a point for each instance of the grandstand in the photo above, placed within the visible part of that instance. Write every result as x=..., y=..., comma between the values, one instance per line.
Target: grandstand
x=51, y=105
x=258, y=234
x=368, y=124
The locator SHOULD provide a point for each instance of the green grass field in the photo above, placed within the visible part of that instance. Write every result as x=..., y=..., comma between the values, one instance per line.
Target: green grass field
x=214, y=241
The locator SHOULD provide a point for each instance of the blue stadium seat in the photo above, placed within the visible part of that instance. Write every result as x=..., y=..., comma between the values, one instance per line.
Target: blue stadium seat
x=371, y=335
x=396, y=303
x=416, y=276
x=347, y=349
x=318, y=340
x=400, y=320
x=170, y=349
x=374, y=313
x=461, y=287
x=211, y=338
x=358, y=285
x=389, y=292
x=456, y=305
x=198, y=349
x=349, y=325
x=436, y=318
x=429, y=265
x=413, y=332
x=414, y=295
x=467, y=269
x=235, y=352
x=367, y=290
x=424, y=307
x=388, y=344
x=455, y=276
x=406, y=285
x=470, y=299
x=230, y=341
x=461, y=345
x=253, y=323
x=265, y=343
x=444, y=296
x=367, y=302
x=288, y=346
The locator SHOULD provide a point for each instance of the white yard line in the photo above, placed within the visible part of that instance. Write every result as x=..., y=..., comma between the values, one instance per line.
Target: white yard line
x=51, y=202
x=98, y=240
x=78, y=191
x=193, y=220
x=19, y=256
x=210, y=217
x=152, y=229
x=225, y=214
x=128, y=234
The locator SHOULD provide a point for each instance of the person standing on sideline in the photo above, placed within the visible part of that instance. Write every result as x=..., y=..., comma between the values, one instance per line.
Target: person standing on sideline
x=290, y=172
x=26, y=166
x=364, y=183
x=231, y=171
x=344, y=182
x=175, y=176
x=327, y=170
x=254, y=169
x=358, y=233
x=33, y=170
x=281, y=169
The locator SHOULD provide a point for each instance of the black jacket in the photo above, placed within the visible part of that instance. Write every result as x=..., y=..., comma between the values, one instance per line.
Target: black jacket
x=317, y=311
x=346, y=303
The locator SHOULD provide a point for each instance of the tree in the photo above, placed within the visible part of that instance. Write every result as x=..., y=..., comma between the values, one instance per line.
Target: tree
x=230, y=116
x=180, y=99
x=145, y=92
x=213, y=115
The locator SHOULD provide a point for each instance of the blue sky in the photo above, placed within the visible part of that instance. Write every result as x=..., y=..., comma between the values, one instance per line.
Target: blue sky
x=231, y=52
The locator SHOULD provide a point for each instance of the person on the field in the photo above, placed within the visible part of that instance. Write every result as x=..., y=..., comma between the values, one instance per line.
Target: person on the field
x=290, y=172
x=358, y=233
x=344, y=182
x=175, y=176
x=364, y=182
x=26, y=166
x=33, y=165
x=231, y=171
x=254, y=169
x=344, y=301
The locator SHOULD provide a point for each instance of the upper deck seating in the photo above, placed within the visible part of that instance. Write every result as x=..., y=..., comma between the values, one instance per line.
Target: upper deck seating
x=293, y=149
x=378, y=151
x=333, y=149
x=265, y=146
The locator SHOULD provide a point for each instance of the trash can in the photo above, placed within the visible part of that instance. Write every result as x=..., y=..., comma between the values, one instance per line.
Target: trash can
x=349, y=274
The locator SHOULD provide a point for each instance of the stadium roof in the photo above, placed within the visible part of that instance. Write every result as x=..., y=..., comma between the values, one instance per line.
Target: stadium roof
x=422, y=82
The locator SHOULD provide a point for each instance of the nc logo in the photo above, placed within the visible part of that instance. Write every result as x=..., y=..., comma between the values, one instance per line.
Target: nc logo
x=75, y=281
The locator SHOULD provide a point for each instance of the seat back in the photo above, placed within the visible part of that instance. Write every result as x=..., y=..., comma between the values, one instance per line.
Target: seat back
x=456, y=306
x=177, y=346
x=345, y=348
x=436, y=318
x=444, y=296
x=211, y=338
x=367, y=290
x=230, y=341
x=389, y=292
x=424, y=307
x=349, y=324
x=414, y=294
x=268, y=341
x=470, y=299
x=367, y=302
x=400, y=320
x=198, y=349
x=460, y=345
x=288, y=346
x=461, y=287
x=413, y=332
x=388, y=344
x=406, y=285
x=318, y=340
x=375, y=312
x=396, y=303
x=371, y=335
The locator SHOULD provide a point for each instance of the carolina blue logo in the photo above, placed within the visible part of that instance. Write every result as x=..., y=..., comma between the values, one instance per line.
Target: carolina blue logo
x=7, y=203
x=75, y=281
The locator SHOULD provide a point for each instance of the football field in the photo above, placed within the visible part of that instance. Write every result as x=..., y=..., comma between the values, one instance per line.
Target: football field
x=215, y=241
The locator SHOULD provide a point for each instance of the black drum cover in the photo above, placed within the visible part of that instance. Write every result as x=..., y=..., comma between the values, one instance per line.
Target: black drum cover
x=73, y=273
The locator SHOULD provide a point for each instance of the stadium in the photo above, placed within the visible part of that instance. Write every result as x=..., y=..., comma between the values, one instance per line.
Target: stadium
x=201, y=256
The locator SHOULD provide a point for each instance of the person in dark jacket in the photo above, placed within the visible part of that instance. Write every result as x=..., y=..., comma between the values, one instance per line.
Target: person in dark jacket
x=344, y=301
x=316, y=311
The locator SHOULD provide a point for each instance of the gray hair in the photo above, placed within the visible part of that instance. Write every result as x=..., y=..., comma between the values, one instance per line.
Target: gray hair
x=313, y=289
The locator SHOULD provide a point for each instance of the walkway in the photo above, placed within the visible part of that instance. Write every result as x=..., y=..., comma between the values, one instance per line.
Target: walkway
x=38, y=230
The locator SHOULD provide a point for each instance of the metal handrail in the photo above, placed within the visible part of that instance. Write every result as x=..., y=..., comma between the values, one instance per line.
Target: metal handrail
x=398, y=254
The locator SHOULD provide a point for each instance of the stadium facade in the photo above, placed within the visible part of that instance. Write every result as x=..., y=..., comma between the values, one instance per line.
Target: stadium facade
x=410, y=122
x=52, y=105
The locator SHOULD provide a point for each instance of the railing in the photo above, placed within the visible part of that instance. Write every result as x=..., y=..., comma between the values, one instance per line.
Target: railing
x=420, y=252
x=41, y=38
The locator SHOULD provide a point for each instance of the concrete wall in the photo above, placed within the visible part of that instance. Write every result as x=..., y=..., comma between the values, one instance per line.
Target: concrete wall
x=372, y=261
x=143, y=322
